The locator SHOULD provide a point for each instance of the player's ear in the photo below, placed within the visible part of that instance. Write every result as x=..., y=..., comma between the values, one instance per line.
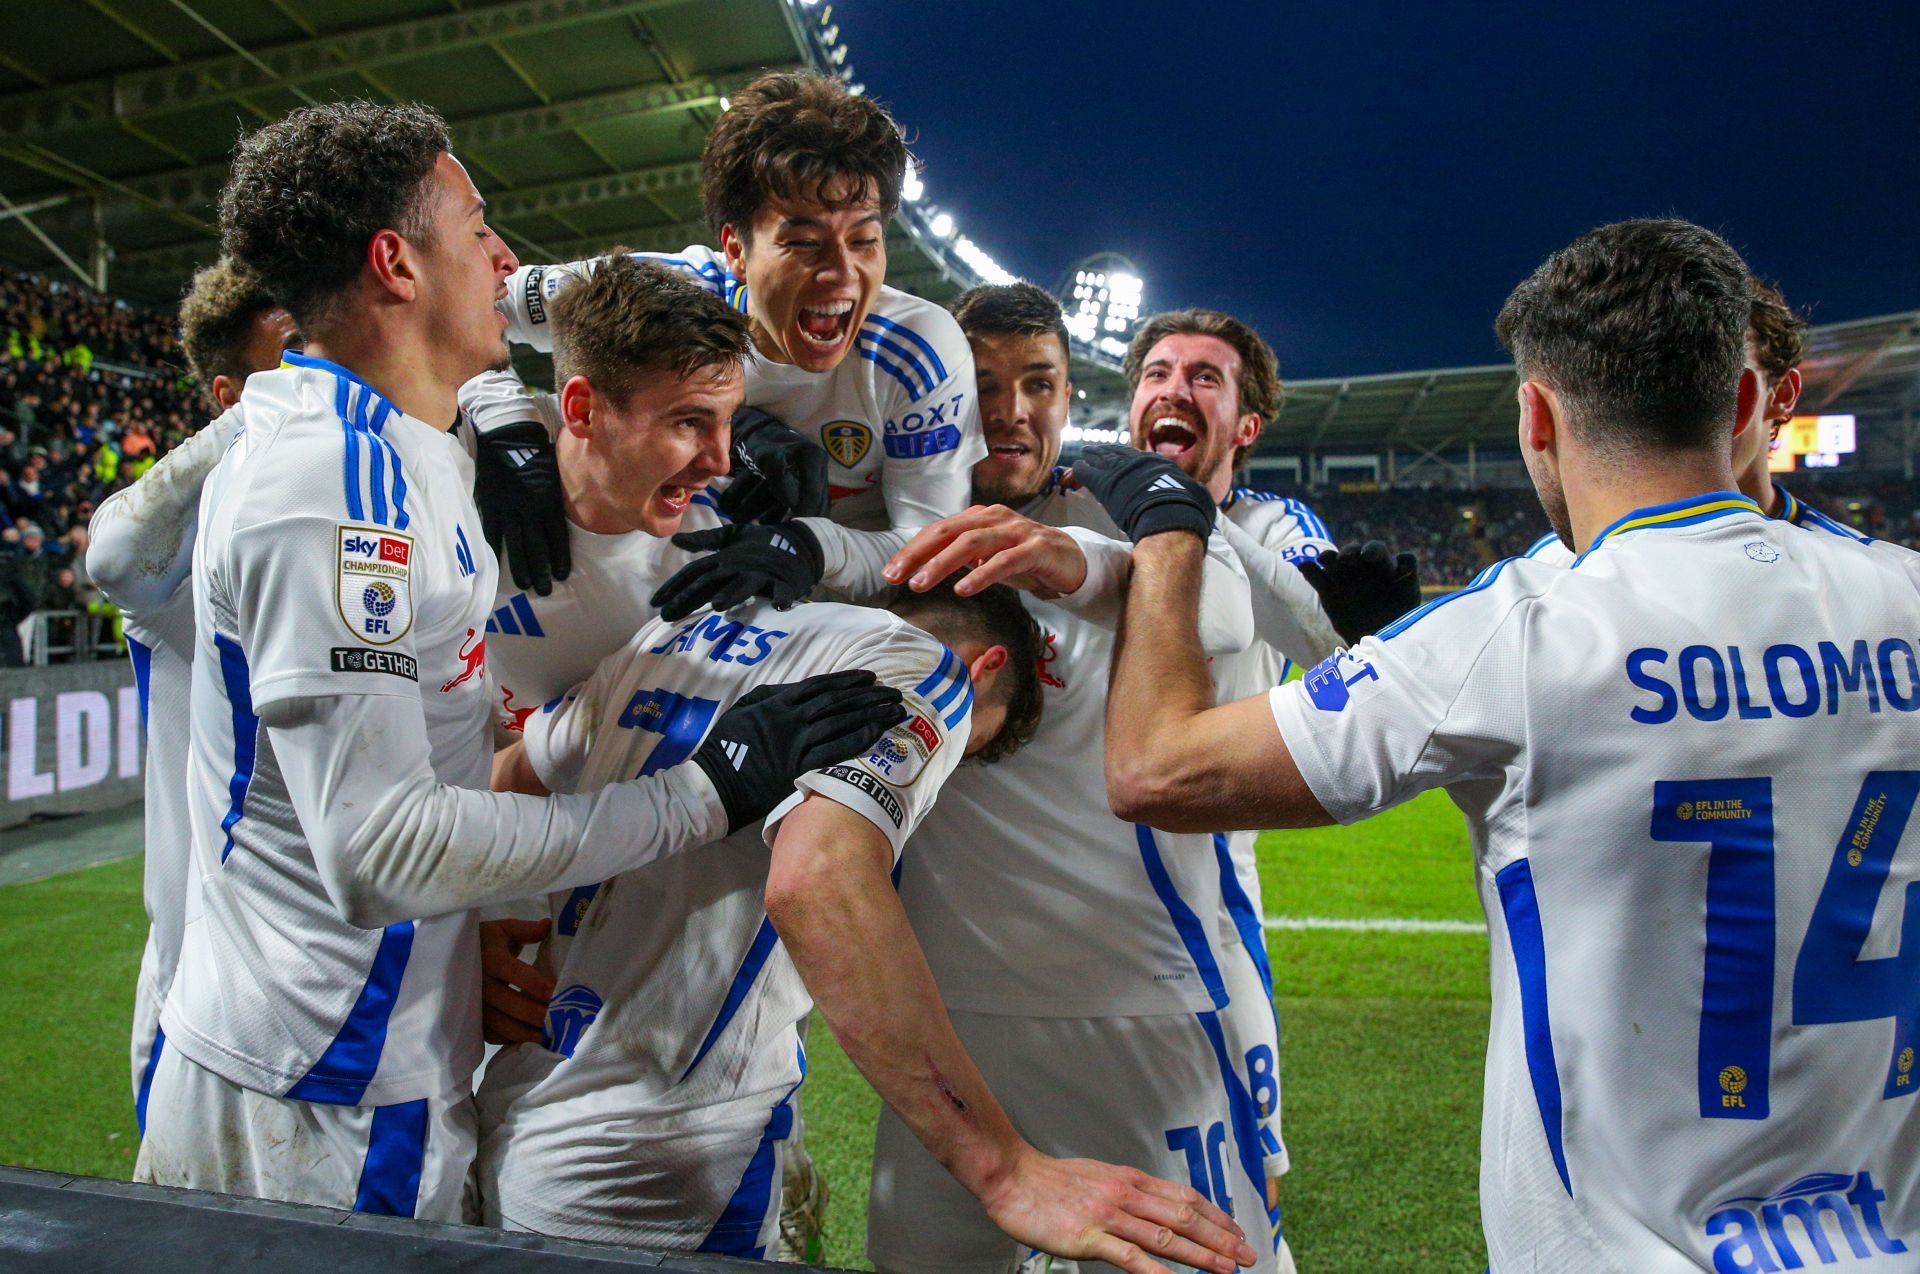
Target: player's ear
x=391, y=261
x=985, y=666
x=226, y=390
x=1247, y=430
x=734, y=249
x=576, y=406
x=1539, y=416
x=1786, y=393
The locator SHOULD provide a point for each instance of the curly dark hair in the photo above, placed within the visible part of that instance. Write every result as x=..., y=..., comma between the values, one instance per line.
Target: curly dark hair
x=996, y=616
x=1777, y=331
x=307, y=192
x=630, y=319
x=1010, y=309
x=1261, y=391
x=216, y=321
x=799, y=135
x=1640, y=328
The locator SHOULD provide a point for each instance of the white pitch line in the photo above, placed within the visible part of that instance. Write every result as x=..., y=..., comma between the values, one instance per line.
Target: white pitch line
x=1377, y=925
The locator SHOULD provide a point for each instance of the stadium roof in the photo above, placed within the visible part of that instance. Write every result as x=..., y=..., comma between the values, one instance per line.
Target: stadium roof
x=1870, y=367
x=582, y=120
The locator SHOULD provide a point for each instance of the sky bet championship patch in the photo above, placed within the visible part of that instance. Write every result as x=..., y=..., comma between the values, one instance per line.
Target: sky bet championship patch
x=374, y=594
x=903, y=751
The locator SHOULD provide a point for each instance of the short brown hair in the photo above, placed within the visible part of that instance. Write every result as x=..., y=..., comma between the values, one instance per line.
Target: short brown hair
x=631, y=318
x=308, y=192
x=994, y=616
x=1778, y=334
x=1010, y=309
x=1261, y=391
x=1640, y=328
x=799, y=135
x=216, y=321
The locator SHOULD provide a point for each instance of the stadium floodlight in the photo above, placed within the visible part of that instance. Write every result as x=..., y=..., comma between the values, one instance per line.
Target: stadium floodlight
x=839, y=54
x=1103, y=296
x=981, y=264
x=831, y=35
x=911, y=187
x=942, y=225
x=726, y=103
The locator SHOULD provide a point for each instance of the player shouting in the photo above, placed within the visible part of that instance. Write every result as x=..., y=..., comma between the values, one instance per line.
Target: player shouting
x=865, y=394
x=1691, y=814
x=323, y=1020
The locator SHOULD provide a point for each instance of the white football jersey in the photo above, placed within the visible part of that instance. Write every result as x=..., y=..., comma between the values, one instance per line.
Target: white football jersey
x=899, y=418
x=675, y=996
x=336, y=556
x=1688, y=765
x=1550, y=549
x=1029, y=896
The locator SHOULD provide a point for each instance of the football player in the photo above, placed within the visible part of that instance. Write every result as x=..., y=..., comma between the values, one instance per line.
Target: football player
x=865, y=395
x=323, y=1021
x=1690, y=813
x=229, y=329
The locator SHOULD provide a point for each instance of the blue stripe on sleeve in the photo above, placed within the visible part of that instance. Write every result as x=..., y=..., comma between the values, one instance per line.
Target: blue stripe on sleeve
x=343, y=1072
x=146, y=1079
x=890, y=370
x=960, y=710
x=905, y=356
x=142, y=657
x=352, y=461
x=1193, y=934
x=933, y=355
x=1522, y=908
x=1413, y=617
x=934, y=678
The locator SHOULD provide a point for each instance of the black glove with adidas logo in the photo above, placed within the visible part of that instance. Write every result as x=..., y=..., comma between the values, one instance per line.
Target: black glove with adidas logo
x=516, y=483
x=774, y=734
x=1144, y=493
x=777, y=473
x=780, y=561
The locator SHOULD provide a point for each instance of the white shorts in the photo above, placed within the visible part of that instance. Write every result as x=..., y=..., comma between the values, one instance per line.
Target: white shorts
x=205, y=1132
x=1160, y=1093
x=148, y=1039
x=705, y=1180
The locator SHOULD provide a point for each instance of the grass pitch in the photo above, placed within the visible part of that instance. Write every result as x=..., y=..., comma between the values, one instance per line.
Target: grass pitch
x=1384, y=1036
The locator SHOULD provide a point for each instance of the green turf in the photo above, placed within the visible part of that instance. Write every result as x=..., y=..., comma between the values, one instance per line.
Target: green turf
x=1384, y=1035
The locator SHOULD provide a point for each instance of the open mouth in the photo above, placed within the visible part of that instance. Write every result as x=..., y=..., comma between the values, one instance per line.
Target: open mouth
x=676, y=498
x=825, y=326
x=1172, y=437
x=1009, y=451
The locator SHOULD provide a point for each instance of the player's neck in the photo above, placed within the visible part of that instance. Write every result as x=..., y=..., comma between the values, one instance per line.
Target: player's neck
x=401, y=370
x=587, y=504
x=1596, y=501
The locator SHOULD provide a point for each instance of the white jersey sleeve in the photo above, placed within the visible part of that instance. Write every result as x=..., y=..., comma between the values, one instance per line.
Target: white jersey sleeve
x=1378, y=724
x=932, y=437
x=496, y=398
x=531, y=289
x=1272, y=535
x=140, y=541
x=1550, y=550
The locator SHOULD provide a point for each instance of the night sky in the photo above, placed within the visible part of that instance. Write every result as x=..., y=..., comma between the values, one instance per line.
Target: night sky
x=1365, y=183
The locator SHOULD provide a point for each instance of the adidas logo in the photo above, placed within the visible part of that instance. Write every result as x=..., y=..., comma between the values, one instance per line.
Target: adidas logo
x=1165, y=482
x=782, y=543
x=736, y=753
x=518, y=456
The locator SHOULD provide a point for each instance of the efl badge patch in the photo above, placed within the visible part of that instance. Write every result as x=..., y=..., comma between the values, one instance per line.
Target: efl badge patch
x=847, y=441
x=374, y=593
x=903, y=751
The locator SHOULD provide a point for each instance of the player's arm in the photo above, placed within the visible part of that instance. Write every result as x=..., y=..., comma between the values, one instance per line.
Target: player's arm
x=1175, y=761
x=1287, y=614
x=830, y=898
x=140, y=541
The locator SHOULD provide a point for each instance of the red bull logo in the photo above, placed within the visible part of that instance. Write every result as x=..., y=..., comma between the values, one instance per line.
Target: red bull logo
x=473, y=660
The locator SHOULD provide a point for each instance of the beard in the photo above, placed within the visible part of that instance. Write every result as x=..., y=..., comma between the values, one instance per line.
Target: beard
x=1553, y=499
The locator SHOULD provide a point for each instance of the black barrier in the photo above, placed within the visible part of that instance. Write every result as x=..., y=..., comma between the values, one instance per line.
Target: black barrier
x=70, y=739
x=50, y=1221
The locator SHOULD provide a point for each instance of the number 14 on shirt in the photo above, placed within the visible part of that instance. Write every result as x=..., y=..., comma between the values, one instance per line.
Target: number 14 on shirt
x=1831, y=982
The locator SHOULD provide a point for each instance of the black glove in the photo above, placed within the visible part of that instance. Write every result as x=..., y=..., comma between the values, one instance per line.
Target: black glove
x=1364, y=587
x=779, y=561
x=773, y=735
x=1144, y=493
x=777, y=474
x=516, y=483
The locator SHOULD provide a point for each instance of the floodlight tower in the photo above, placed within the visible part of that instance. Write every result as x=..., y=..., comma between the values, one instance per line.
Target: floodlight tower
x=1102, y=295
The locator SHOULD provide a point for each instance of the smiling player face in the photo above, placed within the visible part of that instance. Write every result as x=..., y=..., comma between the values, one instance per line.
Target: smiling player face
x=1187, y=406
x=812, y=274
x=635, y=466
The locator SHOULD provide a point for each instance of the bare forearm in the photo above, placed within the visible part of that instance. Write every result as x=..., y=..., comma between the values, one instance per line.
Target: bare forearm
x=851, y=942
x=1159, y=669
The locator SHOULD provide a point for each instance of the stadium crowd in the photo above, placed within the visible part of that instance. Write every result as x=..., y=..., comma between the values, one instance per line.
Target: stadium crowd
x=91, y=396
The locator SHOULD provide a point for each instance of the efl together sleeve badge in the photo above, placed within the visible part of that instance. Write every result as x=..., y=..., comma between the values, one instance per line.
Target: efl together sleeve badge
x=374, y=592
